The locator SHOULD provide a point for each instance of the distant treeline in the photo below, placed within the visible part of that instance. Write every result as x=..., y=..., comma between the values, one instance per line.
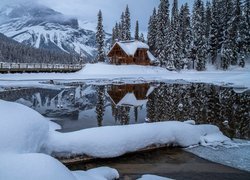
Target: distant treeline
x=12, y=51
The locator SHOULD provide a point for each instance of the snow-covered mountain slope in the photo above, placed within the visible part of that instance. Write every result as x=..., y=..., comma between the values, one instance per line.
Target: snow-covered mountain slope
x=42, y=27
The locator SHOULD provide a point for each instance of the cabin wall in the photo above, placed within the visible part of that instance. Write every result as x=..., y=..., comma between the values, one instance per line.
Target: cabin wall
x=118, y=56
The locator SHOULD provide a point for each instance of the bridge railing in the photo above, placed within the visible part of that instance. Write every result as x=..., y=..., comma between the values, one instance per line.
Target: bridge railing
x=38, y=67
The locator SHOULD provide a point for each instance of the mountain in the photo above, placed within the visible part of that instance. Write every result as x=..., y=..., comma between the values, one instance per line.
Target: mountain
x=15, y=52
x=41, y=27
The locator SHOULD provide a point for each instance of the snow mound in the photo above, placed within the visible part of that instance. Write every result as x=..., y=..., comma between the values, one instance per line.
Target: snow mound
x=114, y=141
x=41, y=167
x=22, y=130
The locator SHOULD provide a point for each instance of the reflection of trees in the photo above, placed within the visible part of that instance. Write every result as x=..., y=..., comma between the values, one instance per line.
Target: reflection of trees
x=121, y=114
x=203, y=103
x=100, y=104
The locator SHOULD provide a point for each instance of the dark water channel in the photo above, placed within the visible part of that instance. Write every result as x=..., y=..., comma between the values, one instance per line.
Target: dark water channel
x=166, y=162
x=78, y=106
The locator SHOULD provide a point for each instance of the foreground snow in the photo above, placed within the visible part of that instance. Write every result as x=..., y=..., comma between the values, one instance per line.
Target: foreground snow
x=235, y=75
x=25, y=134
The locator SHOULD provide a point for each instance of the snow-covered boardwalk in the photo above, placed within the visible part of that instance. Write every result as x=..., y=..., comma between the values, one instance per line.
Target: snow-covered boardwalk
x=38, y=67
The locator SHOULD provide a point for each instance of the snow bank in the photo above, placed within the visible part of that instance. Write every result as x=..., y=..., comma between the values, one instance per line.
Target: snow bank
x=106, y=69
x=22, y=129
x=114, y=141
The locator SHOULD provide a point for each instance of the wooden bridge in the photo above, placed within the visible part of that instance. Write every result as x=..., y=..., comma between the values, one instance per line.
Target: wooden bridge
x=38, y=67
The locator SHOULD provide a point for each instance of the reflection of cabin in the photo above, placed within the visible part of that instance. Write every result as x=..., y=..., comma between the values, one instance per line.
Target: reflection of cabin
x=131, y=52
x=130, y=94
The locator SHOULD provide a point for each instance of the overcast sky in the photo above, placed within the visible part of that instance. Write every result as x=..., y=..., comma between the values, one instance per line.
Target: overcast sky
x=87, y=9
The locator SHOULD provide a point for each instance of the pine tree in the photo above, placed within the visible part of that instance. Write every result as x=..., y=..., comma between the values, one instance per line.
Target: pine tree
x=122, y=28
x=142, y=39
x=100, y=36
x=115, y=34
x=227, y=44
x=163, y=27
x=152, y=33
x=199, y=43
x=175, y=37
x=214, y=32
x=137, y=30
x=244, y=34
x=127, y=24
x=246, y=14
x=208, y=19
x=185, y=32
x=234, y=31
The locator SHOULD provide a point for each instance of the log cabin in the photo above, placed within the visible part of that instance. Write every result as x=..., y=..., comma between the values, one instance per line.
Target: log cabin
x=131, y=52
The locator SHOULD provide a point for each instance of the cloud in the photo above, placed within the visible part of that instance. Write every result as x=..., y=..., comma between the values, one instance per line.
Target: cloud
x=87, y=9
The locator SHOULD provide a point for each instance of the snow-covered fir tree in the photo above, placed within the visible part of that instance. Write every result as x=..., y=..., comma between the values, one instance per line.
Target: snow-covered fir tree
x=226, y=51
x=214, y=32
x=199, y=42
x=100, y=37
x=208, y=19
x=115, y=34
x=152, y=32
x=127, y=24
x=163, y=29
x=142, y=39
x=137, y=30
x=185, y=33
x=246, y=15
x=122, y=28
x=175, y=38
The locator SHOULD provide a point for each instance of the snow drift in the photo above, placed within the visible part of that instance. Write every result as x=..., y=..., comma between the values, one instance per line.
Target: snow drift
x=22, y=129
x=114, y=141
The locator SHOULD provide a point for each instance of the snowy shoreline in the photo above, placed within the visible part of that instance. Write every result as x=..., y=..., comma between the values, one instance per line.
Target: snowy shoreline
x=103, y=72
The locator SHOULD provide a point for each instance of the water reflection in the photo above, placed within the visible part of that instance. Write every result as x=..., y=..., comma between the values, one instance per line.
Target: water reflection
x=84, y=106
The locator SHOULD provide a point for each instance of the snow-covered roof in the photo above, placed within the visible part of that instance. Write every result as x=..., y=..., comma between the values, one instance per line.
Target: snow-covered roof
x=130, y=99
x=151, y=56
x=130, y=47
